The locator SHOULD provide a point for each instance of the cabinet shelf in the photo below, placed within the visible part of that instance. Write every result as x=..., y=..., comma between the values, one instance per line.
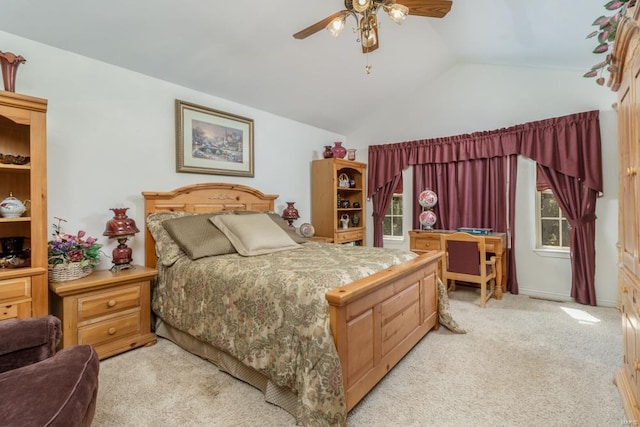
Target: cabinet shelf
x=19, y=219
x=14, y=168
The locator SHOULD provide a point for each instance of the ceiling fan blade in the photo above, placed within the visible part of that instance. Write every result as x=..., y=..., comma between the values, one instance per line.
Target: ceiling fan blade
x=320, y=25
x=429, y=8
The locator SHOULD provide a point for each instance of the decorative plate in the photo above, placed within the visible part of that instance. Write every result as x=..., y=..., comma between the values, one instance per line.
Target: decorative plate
x=306, y=230
x=428, y=199
x=428, y=219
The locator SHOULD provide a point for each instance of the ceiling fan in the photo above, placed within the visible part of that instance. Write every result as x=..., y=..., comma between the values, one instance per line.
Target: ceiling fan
x=364, y=12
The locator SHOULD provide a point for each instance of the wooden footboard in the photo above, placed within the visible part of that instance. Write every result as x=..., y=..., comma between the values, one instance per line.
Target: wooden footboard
x=377, y=320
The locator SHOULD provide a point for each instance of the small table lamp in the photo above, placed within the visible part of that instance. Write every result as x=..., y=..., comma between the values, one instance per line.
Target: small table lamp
x=121, y=227
x=290, y=213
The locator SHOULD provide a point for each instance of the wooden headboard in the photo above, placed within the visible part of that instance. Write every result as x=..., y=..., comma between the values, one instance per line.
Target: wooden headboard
x=205, y=197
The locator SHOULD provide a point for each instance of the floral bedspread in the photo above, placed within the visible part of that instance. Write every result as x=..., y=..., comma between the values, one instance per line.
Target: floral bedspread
x=270, y=312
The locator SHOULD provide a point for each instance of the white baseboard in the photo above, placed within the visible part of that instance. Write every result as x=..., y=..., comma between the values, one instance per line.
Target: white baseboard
x=552, y=296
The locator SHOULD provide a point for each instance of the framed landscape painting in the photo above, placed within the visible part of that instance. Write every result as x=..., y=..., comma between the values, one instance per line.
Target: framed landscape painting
x=212, y=142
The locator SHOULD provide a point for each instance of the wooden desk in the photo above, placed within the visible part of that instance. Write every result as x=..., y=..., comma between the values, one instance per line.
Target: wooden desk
x=496, y=243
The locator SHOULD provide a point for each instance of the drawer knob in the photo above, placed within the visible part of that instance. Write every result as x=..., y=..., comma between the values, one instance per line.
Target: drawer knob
x=111, y=303
x=111, y=331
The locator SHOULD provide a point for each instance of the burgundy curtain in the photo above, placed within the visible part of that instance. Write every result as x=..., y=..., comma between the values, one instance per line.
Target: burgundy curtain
x=578, y=203
x=381, y=201
x=569, y=145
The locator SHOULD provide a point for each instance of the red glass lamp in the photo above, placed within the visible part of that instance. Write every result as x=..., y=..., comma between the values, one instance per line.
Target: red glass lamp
x=290, y=213
x=121, y=227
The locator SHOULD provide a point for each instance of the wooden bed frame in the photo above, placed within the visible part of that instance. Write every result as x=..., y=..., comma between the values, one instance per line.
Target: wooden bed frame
x=375, y=321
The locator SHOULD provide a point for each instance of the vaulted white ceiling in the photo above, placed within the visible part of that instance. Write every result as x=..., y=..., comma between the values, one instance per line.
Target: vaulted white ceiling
x=243, y=50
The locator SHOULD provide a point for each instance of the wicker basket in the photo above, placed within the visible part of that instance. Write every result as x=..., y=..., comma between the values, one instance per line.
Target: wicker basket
x=71, y=271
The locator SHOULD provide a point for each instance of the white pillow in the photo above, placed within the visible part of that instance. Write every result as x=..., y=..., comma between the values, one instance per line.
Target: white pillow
x=254, y=234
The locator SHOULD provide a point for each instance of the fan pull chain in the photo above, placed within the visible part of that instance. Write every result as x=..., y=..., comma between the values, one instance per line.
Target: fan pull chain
x=367, y=67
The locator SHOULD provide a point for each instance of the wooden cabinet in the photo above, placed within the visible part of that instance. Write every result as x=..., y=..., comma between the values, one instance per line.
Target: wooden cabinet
x=23, y=285
x=626, y=80
x=108, y=310
x=331, y=215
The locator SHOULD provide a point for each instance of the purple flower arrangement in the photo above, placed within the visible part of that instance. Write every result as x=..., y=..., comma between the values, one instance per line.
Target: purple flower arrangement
x=67, y=248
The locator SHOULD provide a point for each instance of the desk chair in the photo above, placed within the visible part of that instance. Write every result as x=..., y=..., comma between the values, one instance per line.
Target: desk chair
x=466, y=260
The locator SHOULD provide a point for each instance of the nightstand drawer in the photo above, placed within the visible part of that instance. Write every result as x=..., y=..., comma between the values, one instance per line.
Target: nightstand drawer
x=108, y=302
x=15, y=289
x=424, y=243
x=109, y=330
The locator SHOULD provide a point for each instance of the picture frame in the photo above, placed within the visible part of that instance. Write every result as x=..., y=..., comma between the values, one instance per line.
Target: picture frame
x=213, y=142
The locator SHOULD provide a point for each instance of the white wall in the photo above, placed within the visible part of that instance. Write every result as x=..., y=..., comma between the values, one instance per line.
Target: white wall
x=111, y=135
x=469, y=98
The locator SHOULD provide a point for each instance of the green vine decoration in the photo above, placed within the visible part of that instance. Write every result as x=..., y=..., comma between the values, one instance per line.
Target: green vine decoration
x=606, y=35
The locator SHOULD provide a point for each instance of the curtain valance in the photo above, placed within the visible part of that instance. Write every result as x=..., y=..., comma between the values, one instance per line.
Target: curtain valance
x=564, y=149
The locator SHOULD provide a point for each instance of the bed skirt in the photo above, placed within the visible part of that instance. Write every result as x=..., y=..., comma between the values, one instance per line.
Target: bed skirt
x=273, y=393
x=280, y=396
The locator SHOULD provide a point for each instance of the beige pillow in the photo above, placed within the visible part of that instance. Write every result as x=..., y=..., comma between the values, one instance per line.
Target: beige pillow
x=198, y=237
x=167, y=249
x=254, y=234
x=281, y=223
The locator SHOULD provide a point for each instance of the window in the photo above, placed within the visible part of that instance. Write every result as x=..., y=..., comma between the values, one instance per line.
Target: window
x=392, y=224
x=553, y=227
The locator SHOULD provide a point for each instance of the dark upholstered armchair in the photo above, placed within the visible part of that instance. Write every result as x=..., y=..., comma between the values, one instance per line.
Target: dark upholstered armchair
x=39, y=387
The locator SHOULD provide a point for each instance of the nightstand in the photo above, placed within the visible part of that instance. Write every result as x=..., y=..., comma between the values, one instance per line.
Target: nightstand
x=109, y=310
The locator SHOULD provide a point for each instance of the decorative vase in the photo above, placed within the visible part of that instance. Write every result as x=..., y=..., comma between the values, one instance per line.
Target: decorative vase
x=327, y=153
x=344, y=221
x=338, y=150
x=351, y=153
x=9, y=63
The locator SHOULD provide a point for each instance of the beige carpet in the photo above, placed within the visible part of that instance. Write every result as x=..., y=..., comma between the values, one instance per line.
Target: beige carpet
x=523, y=362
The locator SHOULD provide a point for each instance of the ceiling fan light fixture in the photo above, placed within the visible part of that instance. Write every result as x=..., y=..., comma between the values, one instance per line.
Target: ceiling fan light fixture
x=361, y=5
x=336, y=26
x=397, y=12
x=369, y=34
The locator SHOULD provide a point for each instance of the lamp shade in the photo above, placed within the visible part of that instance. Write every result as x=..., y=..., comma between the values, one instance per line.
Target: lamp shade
x=290, y=212
x=120, y=225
